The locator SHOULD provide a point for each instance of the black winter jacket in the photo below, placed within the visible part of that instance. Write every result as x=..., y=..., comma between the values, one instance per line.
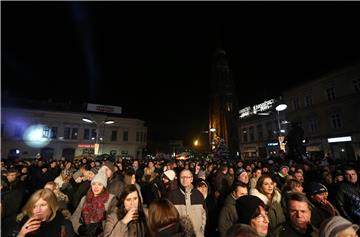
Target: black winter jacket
x=348, y=201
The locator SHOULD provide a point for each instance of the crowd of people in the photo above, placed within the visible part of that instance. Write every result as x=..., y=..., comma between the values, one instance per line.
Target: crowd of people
x=274, y=197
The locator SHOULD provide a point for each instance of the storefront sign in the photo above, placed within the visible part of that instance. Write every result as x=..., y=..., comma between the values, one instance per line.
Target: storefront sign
x=104, y=108
x=339, y=139
x=86, y=146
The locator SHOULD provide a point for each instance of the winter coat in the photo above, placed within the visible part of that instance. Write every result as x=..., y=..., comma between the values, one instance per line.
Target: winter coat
x=286, y=230
x=115, y=227
x=53, y=228
x=76, y=216
x=348, y=201
x=183, y=228
x=80, y=192
x=115, y=185
x=319, y=214
x=275, y=212
x=228, y=215
x=191, y=204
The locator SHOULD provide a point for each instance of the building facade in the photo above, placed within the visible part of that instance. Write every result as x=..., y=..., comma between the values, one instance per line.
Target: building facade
x=28, y=133
x=328, y=109
x=259, y=130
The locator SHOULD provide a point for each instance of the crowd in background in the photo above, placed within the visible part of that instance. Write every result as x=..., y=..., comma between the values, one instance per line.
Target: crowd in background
x=222, y=198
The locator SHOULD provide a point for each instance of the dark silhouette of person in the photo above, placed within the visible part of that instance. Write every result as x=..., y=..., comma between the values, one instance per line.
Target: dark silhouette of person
x=294, y=140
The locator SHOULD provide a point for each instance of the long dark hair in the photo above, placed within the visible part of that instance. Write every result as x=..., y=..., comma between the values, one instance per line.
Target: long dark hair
x=260, y=189
x=122, y=211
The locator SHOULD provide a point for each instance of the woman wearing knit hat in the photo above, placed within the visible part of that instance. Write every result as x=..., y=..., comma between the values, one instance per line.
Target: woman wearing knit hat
x=251, y=211
x=338, y=226
x=88, y=218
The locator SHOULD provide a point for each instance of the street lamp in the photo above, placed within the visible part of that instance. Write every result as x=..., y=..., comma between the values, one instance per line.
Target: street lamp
x=212, y=138
x=280, y=107
x=104, y=122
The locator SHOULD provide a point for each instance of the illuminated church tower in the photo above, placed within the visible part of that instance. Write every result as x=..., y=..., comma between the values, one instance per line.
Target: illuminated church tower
x=223, y=105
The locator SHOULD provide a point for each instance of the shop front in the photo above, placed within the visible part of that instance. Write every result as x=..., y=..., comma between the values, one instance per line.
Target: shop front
x=341, y=148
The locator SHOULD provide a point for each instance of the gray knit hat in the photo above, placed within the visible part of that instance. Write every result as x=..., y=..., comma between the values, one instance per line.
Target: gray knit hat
x=100, y=177
x=77, y=174
x=334, y=225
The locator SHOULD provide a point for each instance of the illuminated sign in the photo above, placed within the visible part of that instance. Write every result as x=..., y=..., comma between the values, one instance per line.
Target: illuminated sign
x=339, y=139
x=247, y=111
x=86, y=146
x=104, y=108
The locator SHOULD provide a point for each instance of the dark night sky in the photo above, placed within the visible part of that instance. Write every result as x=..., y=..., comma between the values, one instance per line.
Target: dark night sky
x=154, y=58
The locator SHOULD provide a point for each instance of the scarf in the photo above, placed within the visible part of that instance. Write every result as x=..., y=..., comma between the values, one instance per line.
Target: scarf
x=93, y=210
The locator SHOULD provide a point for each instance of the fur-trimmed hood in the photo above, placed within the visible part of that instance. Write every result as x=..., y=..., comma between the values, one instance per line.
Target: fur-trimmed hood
x=187, y=227
x=276, y=198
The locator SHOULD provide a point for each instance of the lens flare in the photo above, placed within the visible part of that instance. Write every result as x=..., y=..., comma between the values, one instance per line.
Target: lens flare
x=34, y=136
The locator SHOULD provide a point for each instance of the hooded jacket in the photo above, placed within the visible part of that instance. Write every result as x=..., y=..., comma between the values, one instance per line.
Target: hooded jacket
x=190, y=204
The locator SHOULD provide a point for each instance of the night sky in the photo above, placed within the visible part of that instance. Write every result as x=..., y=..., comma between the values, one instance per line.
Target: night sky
x=154, y=59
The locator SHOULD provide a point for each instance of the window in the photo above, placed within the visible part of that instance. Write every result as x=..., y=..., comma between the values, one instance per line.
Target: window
x=141, y=136
x=259, y=129
x=86, y=134
x=336, y=121
x=93, y=134
x=144, y=137
x=67, y=133
x=53, y=133
x=137, y=136
x=251, y=132
x=330, y=92
x=313, y=125
x=245, y=138
x=46, y=132
x=308, y=100
x=296, y=103
x=356, y=83
x=113, y=136
x=125, y=136
x=74, y=133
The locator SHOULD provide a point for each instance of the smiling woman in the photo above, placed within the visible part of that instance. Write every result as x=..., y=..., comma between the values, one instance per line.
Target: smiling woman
x=89, y=216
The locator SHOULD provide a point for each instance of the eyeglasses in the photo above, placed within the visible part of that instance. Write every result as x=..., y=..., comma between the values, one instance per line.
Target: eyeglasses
x=262, y=217
x=185, y=177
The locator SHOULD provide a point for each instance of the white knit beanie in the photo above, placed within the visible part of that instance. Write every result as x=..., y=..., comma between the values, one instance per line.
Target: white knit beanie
x=170, y=174
x=100, y=177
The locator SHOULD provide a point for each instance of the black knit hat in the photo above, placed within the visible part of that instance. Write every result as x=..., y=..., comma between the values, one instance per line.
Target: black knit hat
x=315, y=188
x=95, y=169
x=246, y=207
x=240, y=171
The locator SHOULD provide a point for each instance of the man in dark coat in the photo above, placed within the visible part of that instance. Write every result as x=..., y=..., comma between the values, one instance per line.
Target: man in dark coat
x=348, y=196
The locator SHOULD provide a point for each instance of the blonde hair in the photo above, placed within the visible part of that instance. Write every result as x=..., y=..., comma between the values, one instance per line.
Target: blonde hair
x=52, y=184
x=45, y=194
